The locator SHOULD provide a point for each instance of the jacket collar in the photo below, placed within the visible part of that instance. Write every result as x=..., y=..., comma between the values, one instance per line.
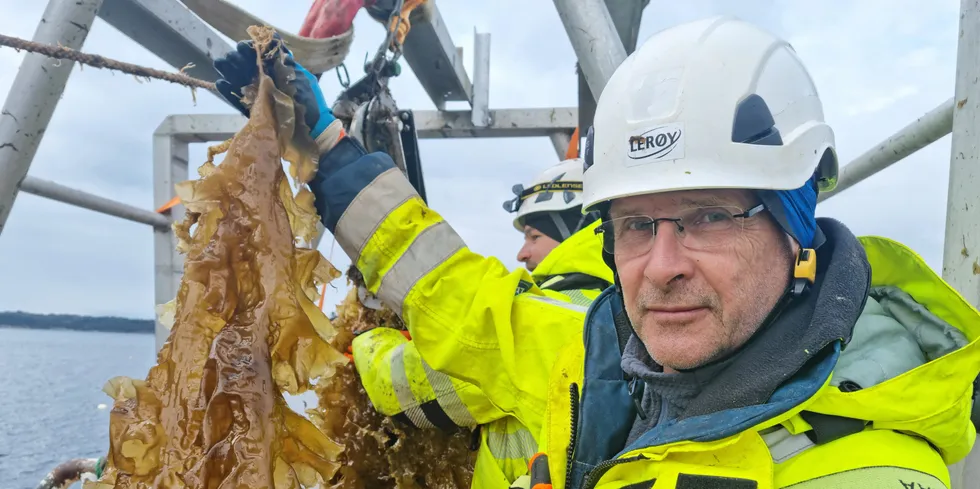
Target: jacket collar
x=580, y=253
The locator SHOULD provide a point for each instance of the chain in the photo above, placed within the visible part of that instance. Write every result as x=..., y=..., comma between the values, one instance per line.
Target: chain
x=345, y=79
x=377, y=64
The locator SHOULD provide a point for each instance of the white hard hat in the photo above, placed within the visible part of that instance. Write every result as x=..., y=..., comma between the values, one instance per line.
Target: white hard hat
x=559, y=188
x=715, y=103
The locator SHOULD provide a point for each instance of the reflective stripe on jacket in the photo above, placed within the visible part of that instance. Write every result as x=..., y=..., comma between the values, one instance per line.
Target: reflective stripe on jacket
x=812, y=433
x=460, y=308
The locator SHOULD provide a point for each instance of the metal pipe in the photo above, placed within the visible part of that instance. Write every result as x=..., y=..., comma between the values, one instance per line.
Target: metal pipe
x=594, y=38
x=35, y=93
x=920, y=133
x=962, y=240
x=481, y=79
x=61, y=193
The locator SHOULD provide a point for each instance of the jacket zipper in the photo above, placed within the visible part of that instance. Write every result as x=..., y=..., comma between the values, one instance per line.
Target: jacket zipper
x=573, y=394
x=593, y=476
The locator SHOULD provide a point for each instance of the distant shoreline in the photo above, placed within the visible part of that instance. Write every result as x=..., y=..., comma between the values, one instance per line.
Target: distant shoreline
x=24, y=320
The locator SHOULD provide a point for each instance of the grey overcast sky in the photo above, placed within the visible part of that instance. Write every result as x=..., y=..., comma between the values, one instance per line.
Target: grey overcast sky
x=878, y=65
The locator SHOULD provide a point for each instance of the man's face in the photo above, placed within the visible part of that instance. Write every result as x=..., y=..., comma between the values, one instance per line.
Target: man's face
x=691, y=304
x=537, y=245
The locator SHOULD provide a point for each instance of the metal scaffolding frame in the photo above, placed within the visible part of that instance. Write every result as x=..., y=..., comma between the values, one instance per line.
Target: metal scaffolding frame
x=170, y=31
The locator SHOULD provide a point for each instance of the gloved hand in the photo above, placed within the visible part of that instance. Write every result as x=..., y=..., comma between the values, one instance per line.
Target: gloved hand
x=238, y=70
x=350, y=349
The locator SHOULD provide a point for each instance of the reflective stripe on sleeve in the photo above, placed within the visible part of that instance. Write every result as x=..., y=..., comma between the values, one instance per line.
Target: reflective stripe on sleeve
x=448, y=397
x=518, y=444
x=577, y=297
x=556, y=302
x=403, y=391
x=370, y=208
x=431, y=401
x=434, y=245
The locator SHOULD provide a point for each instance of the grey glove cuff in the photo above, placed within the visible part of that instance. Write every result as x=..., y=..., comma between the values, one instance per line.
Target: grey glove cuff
x=329, y=137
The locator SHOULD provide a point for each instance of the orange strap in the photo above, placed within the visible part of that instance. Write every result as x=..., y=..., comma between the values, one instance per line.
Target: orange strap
x=572, y=146
x=169, y=205
x=404, y=25
x=323, y=295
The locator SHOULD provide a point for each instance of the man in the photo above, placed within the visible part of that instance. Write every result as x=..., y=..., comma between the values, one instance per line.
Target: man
x=718, y=358
x=400, y=384
x=558, y=249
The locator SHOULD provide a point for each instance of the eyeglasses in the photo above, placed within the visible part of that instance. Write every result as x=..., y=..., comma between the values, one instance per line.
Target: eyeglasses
x=697, y=228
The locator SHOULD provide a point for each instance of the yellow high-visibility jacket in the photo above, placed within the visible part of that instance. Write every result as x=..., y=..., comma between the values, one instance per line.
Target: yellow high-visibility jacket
x=906, y=419
x=911, y=423
x=403, y=386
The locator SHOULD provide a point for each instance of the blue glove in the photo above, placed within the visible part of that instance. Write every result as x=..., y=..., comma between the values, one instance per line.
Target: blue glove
x=238, y=70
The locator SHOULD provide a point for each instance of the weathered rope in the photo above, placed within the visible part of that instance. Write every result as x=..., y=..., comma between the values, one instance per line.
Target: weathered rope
x=61, y=52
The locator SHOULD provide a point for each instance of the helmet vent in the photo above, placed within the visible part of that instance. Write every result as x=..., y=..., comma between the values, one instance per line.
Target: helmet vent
x=754, y=123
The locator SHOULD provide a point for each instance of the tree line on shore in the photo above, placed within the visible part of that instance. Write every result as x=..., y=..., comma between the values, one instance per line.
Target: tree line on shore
x=18, y=319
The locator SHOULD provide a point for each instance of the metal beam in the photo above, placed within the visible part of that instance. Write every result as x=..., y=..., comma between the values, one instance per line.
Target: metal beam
x=201, y=128
x=35, y=93
x=962, y=243
x=481, y=79
x=594, y=38
x=170, y=166
x=505, y=123
x=920, y=133
x=170, y=31
x=561, y=140
x=435, y=60
x=432, y=124
x=68, y=195
x=626, y=16
x=963, y=207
